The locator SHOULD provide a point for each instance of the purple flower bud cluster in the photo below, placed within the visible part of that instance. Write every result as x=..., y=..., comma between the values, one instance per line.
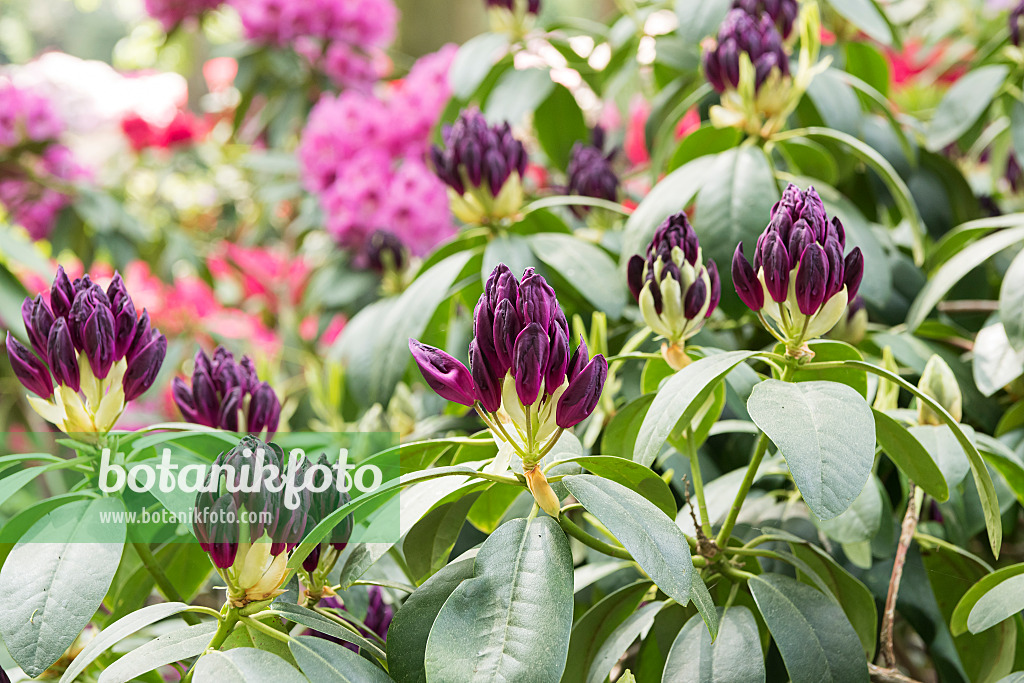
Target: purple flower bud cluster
x=227, y=394
x=170, y=13
x=82, y=319
x=349, y=34
x=521, y=338
x=799, y=266
x=1016, y=18
x=676, y=292
x=476, y=154
x=323, y=503
x=363, y=155
x=783, y=12
x=590, y=173
x=742, y=32
x=29, y=130
x=532, y=6
x=243, y=488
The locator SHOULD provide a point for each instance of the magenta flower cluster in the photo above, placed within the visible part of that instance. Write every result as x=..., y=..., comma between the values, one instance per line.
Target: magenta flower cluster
x=363, y=155
x=342, y=37
x=35, y=163
x=170, y=13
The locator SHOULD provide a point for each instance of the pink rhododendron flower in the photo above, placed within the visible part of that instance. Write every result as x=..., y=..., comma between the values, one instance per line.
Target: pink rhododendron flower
x=170, y=13
x=688, y=124
x=635, y=145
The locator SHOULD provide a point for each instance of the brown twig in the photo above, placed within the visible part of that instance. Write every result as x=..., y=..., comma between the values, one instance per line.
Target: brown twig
x=705, y=546
x=882, y=675
x=914, y=497
x=968, y=306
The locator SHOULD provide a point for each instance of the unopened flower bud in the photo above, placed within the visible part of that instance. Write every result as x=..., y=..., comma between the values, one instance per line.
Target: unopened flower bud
x=939, y=382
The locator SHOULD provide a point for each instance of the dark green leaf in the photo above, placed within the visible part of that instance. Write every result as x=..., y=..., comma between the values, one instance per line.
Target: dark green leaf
x=733, y=657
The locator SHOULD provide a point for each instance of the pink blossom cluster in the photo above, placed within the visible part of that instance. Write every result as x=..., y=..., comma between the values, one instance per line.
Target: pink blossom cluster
x=345, y=38
x=363, y=154
x=170, y=13
x=33, y=165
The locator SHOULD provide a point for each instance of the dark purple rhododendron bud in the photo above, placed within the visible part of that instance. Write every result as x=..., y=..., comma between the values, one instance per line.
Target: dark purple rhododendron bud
x=741, y=32
x=86, y=340
x=674, y=288
x=799, y=266
x=590, y=174
x=783, y=12
x=227, y=394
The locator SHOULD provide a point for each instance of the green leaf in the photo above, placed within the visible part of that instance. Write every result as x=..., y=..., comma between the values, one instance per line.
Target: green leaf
x=55, y=579
x=705, y=140
x=651, y=537
x=170, y=647
x=861, y=521
x=1011, y=301
x=945, y=451
x=733, y=657
x=733, y=203
x=681, y=397
x=559, y=124
x=943, y=279
x=996, y=363
x=322, y=660
x=852, y=595
x=982, y=479
x=14, y=482
x=511, y=249
x=826, y=350
x=474, y=60
x=410, y=628
x=120, y=629
x=596, y=624
x=512, y=619
x=963, y=103
x=867, y=63
x=620, y=639
x=972, y=614
x=633, y=476
x=809, y=158
x=245, y=665
x=307, y=617
x=586, y=267
x=518, y=92
x=816, y=640
x=699, y=19
x=429, y=543
x=825, y=430
x=375, y=343
x=671, y=195
x=620, y=434
x=491, y=505
x=865, y=15
x=910, y=456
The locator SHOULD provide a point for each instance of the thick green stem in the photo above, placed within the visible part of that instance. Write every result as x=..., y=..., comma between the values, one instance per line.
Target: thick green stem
x=227, y=624
x=698, y=483
x=151, y=564
x=586, y=539
x=268, y=630
x=748, y=479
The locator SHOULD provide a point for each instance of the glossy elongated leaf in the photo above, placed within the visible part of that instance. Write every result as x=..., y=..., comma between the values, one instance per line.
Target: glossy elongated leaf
x=699, y=19
x=245, y=665
x=516, y=93
x=952, y=271
x=963, y=103
x=826, y=432
x=429, y=543
x=910, y=456
x=865, y=15
x=853, y=596
x=375, y=343
x=512, y=619
x=55, y=578
x=474, y=60
x=170, y=647
x=945, y=450
x=323, y=660
x=996, y=362
x=733, y=205
x=982, y=479
x=620, y=639
x=652, y=538
x=559, y=124
x=620, y=434
x=985, y=603
x=734, y=656
x=120, y=629
x=410, y=628
x=1011, y=298
x=816, y=640
x=586, y=267
x=15, y=481
x=592, y=629
x=681, y=397
x=632, y=475
x=318, y=622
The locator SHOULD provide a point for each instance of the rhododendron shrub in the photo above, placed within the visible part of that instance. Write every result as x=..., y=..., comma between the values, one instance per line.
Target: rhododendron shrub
x=676, y=341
